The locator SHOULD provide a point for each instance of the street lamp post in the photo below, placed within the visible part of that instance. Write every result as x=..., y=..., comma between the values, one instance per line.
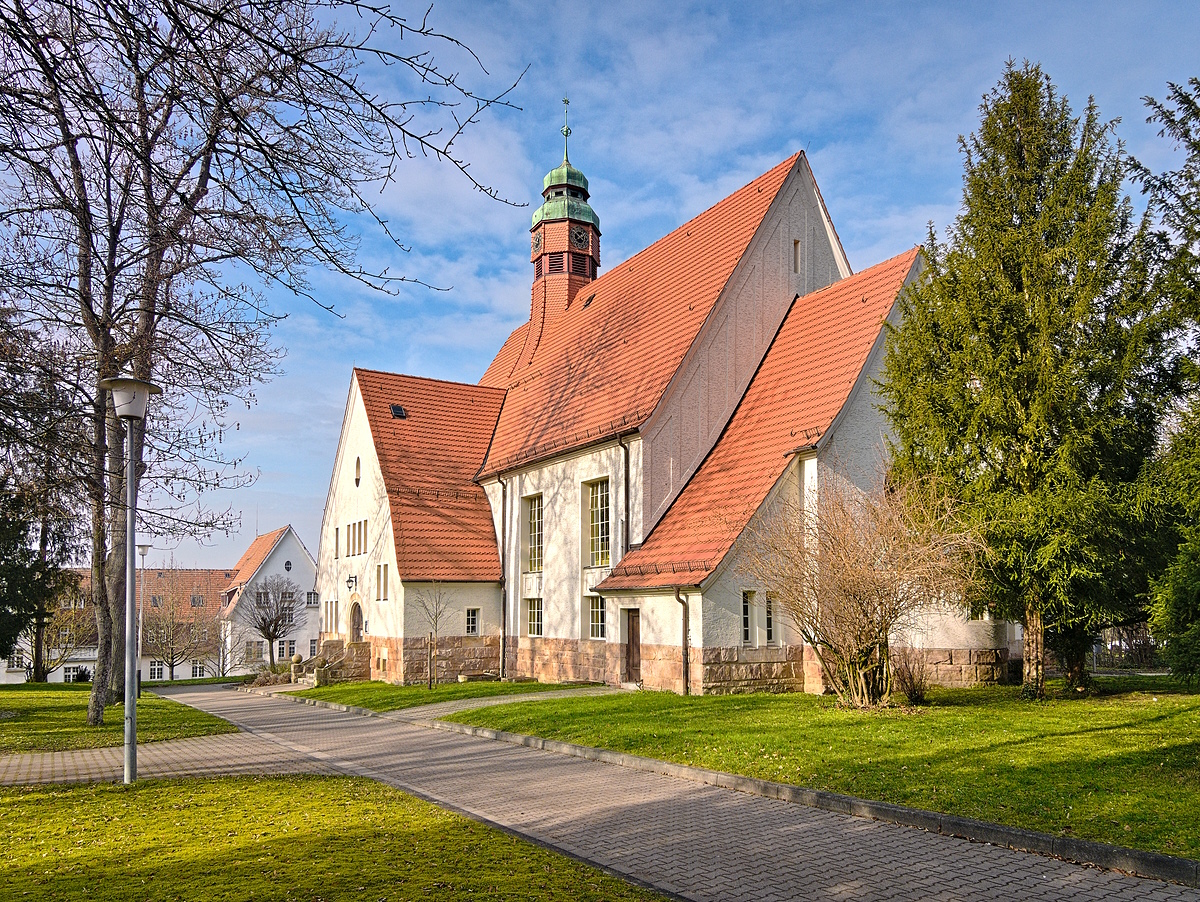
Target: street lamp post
x=130, y=397
x=143, y=550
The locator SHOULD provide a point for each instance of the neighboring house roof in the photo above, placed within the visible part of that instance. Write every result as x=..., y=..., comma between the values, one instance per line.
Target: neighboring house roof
x=602, y=365
x=804, y=380
x=441, y=520
x=175, y=585
x=254, y=556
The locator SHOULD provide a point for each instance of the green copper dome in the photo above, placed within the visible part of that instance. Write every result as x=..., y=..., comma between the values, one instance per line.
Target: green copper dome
x=565, y=174
x=565, y=190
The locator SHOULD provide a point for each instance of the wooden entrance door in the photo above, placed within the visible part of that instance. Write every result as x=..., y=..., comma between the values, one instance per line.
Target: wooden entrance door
x=356, y=623
x=633, y=646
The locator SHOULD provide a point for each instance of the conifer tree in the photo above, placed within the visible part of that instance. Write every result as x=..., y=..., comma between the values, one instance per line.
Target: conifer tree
x=1033, y=364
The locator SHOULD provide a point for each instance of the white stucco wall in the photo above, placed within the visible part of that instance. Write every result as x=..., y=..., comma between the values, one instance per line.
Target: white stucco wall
x=346, y=504
x=562, y=483
x=730, y=345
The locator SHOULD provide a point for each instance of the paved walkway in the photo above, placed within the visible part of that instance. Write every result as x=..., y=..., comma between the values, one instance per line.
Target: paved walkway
x=687, y=839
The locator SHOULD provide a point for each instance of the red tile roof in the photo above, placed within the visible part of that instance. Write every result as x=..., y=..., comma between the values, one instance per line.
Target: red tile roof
x=802, y=384
x=175, y=586
x=440, y=518
x=501, y=366
x=600, y=367
x=254, y=556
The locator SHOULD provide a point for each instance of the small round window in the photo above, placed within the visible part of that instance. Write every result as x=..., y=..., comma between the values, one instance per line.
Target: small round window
x=357, y=470
x=287, y=565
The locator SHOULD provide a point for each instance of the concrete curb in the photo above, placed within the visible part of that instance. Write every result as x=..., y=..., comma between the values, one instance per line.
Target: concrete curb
x=1133, y=861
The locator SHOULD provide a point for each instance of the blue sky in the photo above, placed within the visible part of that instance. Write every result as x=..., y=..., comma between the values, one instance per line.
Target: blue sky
x=673, y=106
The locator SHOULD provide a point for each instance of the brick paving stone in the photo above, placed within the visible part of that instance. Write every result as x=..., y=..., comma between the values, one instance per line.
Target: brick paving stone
x=690, y=839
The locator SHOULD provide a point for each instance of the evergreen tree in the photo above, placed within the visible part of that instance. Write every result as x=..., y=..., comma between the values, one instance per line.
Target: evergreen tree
x=1032, y=366
x=1175, y=200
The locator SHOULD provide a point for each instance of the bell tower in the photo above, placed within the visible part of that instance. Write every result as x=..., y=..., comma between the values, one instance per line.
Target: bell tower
x=565, y=239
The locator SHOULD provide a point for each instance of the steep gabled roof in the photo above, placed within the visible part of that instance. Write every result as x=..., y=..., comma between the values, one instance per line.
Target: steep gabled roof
x=501, y=366
x=254, y=556
x=441, y=520
x=807, y=376
x=602, y=365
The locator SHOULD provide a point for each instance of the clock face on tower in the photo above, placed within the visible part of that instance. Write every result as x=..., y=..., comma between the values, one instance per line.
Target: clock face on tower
x=579, y=237
x=537, y=241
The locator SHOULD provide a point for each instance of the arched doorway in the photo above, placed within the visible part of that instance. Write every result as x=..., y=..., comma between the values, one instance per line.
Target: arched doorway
x=356, y=623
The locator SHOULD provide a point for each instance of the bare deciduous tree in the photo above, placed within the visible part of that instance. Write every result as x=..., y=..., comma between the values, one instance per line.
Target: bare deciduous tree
x=179, y=625
x=161, y=155
x=433, y=604
x=852, y=568
x=268, y=608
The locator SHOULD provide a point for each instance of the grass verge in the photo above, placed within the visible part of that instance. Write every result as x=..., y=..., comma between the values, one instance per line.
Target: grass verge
x=379, y=696
x=1121, y=766
x=280, y=838
x=51, y=717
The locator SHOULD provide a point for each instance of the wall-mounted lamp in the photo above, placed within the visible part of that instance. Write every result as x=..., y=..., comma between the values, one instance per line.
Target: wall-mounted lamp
x=351, y=583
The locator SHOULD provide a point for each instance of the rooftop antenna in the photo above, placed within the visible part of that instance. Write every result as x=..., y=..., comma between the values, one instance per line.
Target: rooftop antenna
x=566, y=129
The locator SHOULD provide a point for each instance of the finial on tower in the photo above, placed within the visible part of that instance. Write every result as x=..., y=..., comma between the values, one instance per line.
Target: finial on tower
x=566, y=129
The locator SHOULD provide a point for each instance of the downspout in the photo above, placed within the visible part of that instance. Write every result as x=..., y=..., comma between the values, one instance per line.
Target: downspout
x=625, y=529
x=682, y=599
x=503, y=574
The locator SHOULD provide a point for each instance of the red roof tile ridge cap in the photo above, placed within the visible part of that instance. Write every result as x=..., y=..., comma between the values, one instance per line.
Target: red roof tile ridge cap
x=786, y=164
x=472, y=385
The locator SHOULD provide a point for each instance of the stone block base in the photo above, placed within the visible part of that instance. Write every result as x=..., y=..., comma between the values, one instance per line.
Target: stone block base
x=456, y=656
x=966, y=666
x=769, y=669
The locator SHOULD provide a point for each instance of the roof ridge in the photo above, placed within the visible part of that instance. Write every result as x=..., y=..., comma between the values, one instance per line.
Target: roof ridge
x=488, y=388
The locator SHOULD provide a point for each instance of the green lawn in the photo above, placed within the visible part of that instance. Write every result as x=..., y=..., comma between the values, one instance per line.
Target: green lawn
x=288, y=838
x=1122, y=766
x=380, y=696
x=51, y=717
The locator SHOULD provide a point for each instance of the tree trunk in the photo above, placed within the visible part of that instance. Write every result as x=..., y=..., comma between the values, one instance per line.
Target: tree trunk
x=1033, y=655
x=39, y=646
x=99, y=696
x=429, y=645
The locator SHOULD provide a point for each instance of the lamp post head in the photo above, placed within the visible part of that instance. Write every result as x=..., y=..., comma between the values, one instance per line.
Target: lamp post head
x=143, y=550
x=130, y=396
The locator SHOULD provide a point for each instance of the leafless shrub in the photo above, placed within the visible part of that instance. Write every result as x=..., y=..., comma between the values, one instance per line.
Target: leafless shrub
x=852, y=567
x=911, y=673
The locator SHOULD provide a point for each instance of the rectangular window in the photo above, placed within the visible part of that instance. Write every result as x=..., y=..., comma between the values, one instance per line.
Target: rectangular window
x=747, y=618
x=312, y=648
x=312, y=600
x=157, y=668
x=156, y=601
x=337, y=537
x=797, y=257
x=69, y=673
x=197, y=669
x=472, y=621
x=598, y=532
x=348, y=540
x=281, y=655
x=596, y=616
x=197, y=601
x=385, y=583
x=287, y=601
x=254, y=651
x=378, y=582
x=534, y=507
x=16, y=661
x=535, y=616
x=769, y=608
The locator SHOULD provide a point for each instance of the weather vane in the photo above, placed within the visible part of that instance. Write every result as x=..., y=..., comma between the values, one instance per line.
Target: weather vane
x=566, y=129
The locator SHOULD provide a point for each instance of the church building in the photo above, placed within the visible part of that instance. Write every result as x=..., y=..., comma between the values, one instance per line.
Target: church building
x=579, y=514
